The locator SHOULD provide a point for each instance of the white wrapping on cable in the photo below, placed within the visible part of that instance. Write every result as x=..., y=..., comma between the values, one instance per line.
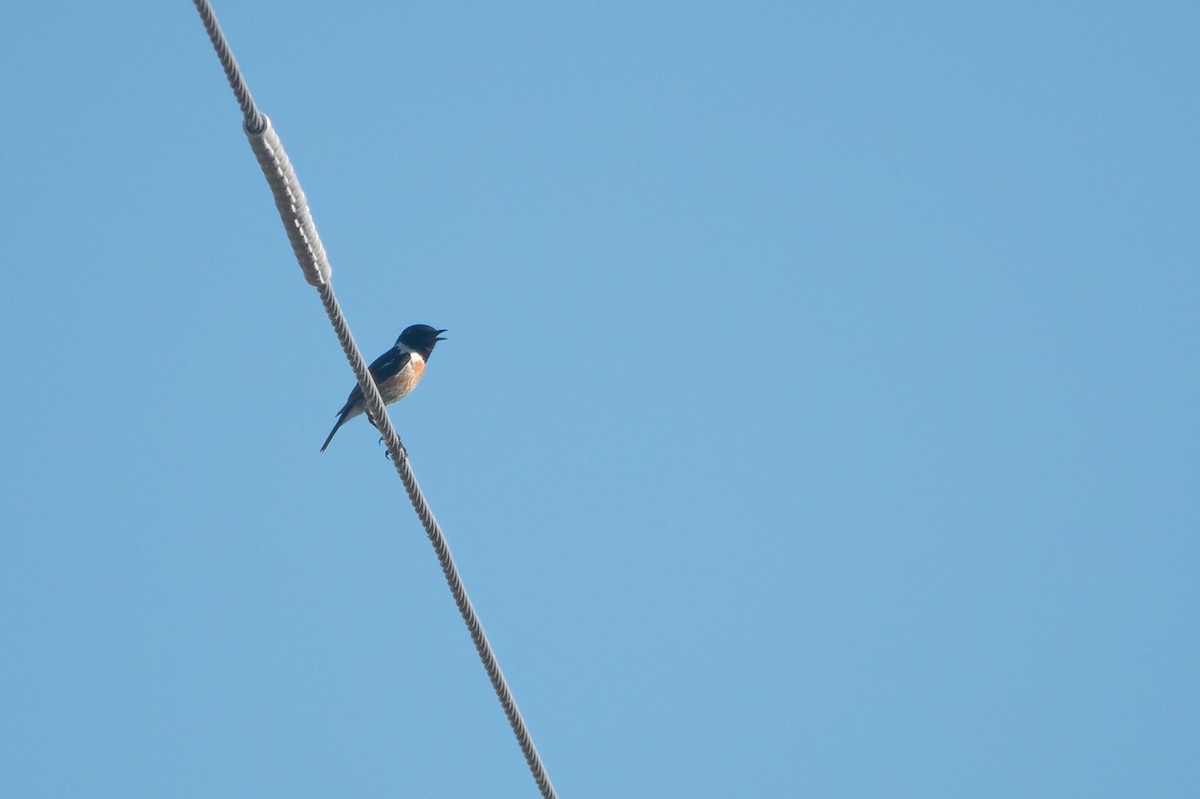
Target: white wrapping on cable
x=291, y=204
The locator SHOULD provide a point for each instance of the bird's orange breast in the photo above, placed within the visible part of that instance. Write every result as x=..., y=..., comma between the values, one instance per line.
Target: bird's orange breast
x=398, y=387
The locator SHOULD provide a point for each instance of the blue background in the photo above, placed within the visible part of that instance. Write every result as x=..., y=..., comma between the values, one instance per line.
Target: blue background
x=818, y=415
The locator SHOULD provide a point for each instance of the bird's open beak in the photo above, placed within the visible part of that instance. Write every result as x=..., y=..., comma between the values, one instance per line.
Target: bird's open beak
x=439, y=338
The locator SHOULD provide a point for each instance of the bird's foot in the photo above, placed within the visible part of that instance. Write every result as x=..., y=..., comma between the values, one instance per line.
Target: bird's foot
x=388, y=453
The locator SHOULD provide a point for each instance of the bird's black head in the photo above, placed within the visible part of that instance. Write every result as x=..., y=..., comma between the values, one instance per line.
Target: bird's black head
x=421, y=338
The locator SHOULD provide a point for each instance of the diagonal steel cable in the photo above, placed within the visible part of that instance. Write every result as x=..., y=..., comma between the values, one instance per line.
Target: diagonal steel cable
x=254, y=119
x=306, y=244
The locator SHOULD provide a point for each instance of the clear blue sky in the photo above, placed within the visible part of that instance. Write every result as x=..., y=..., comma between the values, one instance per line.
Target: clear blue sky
x=819, y=415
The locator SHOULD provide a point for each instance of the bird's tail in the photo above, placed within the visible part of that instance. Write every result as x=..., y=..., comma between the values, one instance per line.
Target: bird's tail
x=342, y=417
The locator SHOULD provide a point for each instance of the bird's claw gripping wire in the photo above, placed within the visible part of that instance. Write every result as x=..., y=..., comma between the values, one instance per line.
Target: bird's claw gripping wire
x=388, y=453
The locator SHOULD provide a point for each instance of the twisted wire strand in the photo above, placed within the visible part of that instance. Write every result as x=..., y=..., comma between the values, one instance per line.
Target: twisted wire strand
x=378, y=416
x=306, y=243
x=250, y=113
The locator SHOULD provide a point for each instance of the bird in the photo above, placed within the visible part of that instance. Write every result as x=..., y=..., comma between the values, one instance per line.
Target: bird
x=396, y=372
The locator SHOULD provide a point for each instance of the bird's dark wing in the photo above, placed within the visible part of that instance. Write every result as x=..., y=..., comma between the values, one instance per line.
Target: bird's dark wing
x=389, y=364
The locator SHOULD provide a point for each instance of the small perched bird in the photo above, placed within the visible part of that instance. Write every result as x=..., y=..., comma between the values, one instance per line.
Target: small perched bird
x=396, y=372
